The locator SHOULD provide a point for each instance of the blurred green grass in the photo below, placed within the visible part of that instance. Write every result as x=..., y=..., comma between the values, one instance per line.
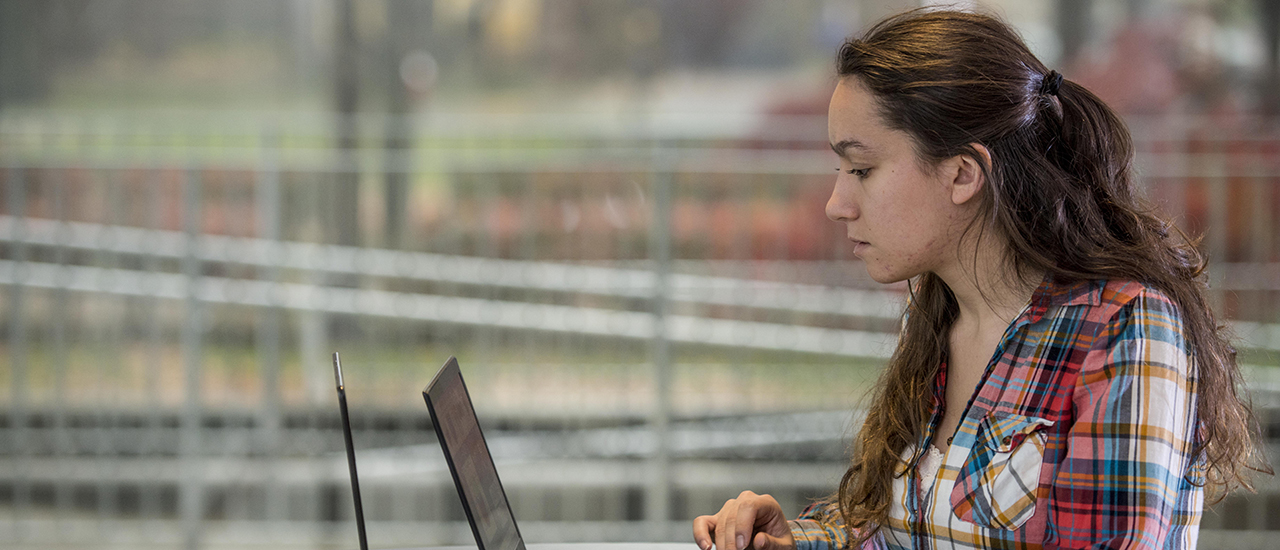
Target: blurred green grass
x=506, y=380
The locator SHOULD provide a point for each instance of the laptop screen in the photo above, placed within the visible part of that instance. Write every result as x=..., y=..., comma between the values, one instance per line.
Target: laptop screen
x=472, y=467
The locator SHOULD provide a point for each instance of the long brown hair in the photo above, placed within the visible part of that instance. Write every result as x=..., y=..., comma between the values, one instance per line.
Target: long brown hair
x=1060, y=190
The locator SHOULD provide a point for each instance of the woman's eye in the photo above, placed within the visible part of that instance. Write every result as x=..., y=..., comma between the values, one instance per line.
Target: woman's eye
x=860, y=172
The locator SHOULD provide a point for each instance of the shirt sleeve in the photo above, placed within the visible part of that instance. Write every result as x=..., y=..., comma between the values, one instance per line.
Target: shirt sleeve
x=1130, y=444
x=819, y=527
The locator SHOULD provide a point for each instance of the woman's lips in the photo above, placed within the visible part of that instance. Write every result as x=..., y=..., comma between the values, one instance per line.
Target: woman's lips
x=859, y=246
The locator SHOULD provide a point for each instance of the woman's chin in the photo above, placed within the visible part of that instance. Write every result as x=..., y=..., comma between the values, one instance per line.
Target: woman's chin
x=886, y=276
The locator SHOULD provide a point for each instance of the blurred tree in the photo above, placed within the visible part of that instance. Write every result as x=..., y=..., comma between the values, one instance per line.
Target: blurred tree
x=342, y=205
x=1073, y=27
x=1138, y=8
x=36, y=37
x=700, y=32
x=1269, y=18
x=23, y=69
x=408, y=26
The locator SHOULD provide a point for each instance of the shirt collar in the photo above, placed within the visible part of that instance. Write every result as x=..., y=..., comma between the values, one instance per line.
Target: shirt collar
x=1052, y=293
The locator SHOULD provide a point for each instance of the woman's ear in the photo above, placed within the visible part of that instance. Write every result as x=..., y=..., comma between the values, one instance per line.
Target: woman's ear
x=969, y=177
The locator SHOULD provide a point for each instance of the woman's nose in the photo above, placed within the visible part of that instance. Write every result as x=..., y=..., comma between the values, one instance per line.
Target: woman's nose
x=840, y=207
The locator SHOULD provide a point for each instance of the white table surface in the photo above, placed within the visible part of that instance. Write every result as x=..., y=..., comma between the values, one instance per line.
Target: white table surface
x=590, y=546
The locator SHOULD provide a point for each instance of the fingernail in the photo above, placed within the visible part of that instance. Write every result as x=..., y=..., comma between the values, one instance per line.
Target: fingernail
x=703, y=545
x=742, y=542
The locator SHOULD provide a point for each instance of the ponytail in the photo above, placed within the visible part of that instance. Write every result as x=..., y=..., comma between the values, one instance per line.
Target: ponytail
x=1096, y=149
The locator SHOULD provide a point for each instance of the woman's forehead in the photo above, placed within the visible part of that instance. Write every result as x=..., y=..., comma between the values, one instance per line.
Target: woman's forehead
x=854, y=124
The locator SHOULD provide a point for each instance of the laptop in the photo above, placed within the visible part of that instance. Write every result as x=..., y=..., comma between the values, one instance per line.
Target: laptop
x=474, y=474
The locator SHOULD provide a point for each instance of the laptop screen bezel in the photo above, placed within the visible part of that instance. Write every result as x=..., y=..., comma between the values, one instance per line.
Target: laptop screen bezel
x=438, y=385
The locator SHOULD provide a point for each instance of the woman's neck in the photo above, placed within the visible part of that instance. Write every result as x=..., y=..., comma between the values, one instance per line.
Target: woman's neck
x=989, y=291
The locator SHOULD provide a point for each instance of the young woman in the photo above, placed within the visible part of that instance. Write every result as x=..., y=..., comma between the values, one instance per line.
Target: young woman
x=1060, y=381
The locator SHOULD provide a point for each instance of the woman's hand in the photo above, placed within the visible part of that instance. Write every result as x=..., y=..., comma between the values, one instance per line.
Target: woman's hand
x=749, y=521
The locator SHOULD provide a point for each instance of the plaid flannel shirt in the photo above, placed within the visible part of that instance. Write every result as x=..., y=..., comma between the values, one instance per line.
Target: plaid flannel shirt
x=1078, y=436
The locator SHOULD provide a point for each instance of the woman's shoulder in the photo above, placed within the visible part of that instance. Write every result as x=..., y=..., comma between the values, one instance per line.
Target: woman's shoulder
x=1115, y=303
x=1102, y=293
x=1133, y=309
x=1137, y=295
x=1112, y=295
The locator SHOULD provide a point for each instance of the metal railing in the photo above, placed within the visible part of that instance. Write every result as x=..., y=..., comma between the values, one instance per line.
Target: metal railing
x=688, y=336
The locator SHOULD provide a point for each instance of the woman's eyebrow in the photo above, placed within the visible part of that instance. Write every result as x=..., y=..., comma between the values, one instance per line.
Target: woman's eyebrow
x=843, y=145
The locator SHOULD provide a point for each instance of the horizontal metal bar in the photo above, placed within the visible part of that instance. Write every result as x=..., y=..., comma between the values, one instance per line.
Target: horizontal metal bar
x=447, y=309
x=567, y=160
x=422, y=469
x=653, y=126
x=688, y=440
x=1257, y=335
x=326, y=160
x=520, y=274
x=429, y=470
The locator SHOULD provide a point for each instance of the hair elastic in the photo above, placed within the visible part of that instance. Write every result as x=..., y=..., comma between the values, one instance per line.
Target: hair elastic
x=1051, y=83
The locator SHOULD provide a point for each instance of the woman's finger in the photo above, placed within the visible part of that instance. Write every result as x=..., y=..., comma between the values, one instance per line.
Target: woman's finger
x=744, y=524
x=726, y=526
x=765, y=541
x=703, y=527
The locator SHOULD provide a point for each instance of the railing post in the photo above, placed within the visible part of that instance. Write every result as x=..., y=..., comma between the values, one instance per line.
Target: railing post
x=267, y=200
x=1216, y=228
x=61, y=355
x=154, y=445
x=658, y=496
x=192, y=488
x=16, y=199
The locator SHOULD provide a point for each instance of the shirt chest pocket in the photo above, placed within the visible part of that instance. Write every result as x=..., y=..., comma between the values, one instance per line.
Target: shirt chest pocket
x=997, y=485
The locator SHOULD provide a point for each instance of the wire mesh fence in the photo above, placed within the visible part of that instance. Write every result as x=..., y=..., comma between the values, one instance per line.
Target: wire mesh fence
x=653, y=314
